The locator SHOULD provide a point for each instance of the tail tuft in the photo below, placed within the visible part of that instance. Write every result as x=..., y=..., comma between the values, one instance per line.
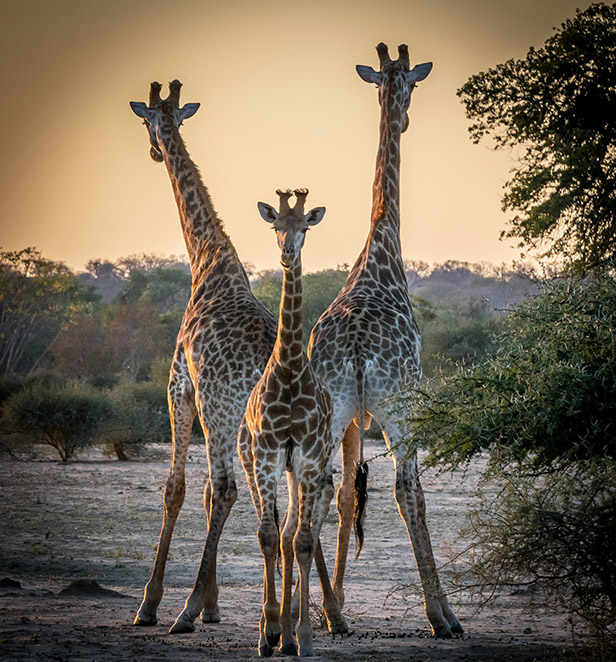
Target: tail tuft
x=361, y=497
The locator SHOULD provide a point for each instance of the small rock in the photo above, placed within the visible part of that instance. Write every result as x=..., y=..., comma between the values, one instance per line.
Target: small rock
x=9, y=584
x=89, y=588
x=528, y=630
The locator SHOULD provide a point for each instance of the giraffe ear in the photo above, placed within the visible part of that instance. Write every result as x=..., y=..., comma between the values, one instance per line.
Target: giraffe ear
x=419, y=72
x=140, y=109
x=369, y=74
x=268, y=213
x=315, y=215
x=188, y=110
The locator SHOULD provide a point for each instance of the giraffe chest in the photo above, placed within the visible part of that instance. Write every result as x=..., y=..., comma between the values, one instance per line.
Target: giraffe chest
x=290, y=413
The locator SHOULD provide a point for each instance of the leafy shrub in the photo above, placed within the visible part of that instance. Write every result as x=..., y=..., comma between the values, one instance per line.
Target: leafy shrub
x=66, y=417
x=543, y=408
x=140, y=416
x=453, y=332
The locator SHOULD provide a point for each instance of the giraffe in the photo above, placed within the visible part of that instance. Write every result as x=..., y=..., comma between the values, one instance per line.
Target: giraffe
x=287, y=426
x=366, y=345
x=225, y=340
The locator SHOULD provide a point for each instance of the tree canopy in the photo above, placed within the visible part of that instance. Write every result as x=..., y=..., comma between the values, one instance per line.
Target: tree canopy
x=557, y=105
x=547, y=394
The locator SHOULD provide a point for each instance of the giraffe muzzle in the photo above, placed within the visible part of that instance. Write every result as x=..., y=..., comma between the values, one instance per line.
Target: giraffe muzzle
x=156, y=154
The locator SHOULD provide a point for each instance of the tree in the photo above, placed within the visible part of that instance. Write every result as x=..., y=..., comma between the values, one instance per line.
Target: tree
x=67, y=417
x=544, y=397
x=542, y=407
x=557, y=106
x=140, y=416
x=460, y=330
x=36, y=297
x=83, y=351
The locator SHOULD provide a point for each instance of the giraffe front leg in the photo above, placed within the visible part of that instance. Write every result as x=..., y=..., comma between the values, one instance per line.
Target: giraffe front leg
x=303, y=545
x=210, y=612
x=182, y=413
x=269, y=626
x=287, y=644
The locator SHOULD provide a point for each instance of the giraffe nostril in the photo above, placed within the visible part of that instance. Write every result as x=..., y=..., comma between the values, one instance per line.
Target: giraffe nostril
x=156, y=154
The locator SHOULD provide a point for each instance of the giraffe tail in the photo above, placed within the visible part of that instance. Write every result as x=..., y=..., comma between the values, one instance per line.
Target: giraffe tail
x=361, y=470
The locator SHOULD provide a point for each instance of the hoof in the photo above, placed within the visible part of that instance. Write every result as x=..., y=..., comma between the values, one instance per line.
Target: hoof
x=143, y=620
x=456, y=628
x=210, y=617
x=181, y=626
x=273, y=638
x=266, y=651
x=339, y=627
x=443, y=632
x=289, y=649
x=306, y=651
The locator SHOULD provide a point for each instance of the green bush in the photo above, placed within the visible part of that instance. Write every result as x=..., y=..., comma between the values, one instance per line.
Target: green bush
x=543, y=409
x=140, y=416
x=454, y=332
x=67, y=417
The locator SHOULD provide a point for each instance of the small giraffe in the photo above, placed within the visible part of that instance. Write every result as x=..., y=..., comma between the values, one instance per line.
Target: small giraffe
x=225, y=340
x=287, y=426
x=366, y=345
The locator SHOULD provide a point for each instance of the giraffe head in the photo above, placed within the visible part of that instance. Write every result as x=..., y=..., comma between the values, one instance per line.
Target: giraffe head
x=291, y=223
x=160, y=112
x=395, y=81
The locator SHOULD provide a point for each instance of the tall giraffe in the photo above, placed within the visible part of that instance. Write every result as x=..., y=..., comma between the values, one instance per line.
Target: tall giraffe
x=287, y=426
x=366, y=344
x=225, y=341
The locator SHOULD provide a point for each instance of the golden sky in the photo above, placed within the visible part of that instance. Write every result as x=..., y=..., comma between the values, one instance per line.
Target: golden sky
x=281, y=106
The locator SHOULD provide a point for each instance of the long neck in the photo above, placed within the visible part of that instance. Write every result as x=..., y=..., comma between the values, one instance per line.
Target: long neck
x=386, y=188
x=288, y=349
x=381, y=258
x=204, y=236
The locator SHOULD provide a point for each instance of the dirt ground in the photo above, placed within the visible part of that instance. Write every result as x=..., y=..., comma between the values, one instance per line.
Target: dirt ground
x=99, y=520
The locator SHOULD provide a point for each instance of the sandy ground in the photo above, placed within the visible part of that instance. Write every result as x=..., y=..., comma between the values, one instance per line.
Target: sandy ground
x=99, y=520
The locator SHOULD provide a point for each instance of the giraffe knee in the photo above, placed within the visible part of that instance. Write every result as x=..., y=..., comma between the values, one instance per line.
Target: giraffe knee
x=225, y=490
x=303, y=545
x=268, y=539
x=175, y=491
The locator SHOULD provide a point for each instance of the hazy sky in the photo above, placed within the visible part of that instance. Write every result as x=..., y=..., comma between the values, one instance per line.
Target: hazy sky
x=281, y=106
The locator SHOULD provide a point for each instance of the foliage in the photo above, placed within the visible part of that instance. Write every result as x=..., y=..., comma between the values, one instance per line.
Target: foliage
x=36, y=297
x=140, y=416
x=557, y=106
x=542, y=407
x=66, y=417
x=82, y=351
x=553, y=536
x=319, y=290
x=460, y=331
x=544, y=397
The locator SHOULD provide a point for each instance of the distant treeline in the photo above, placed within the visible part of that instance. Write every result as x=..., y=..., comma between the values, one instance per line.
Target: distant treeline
x=94, y=348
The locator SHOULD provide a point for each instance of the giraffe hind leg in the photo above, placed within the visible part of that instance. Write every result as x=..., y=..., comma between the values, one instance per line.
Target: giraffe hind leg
x=224, y=495
x=182, y=413
x=345, y=502
x=412, y=508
